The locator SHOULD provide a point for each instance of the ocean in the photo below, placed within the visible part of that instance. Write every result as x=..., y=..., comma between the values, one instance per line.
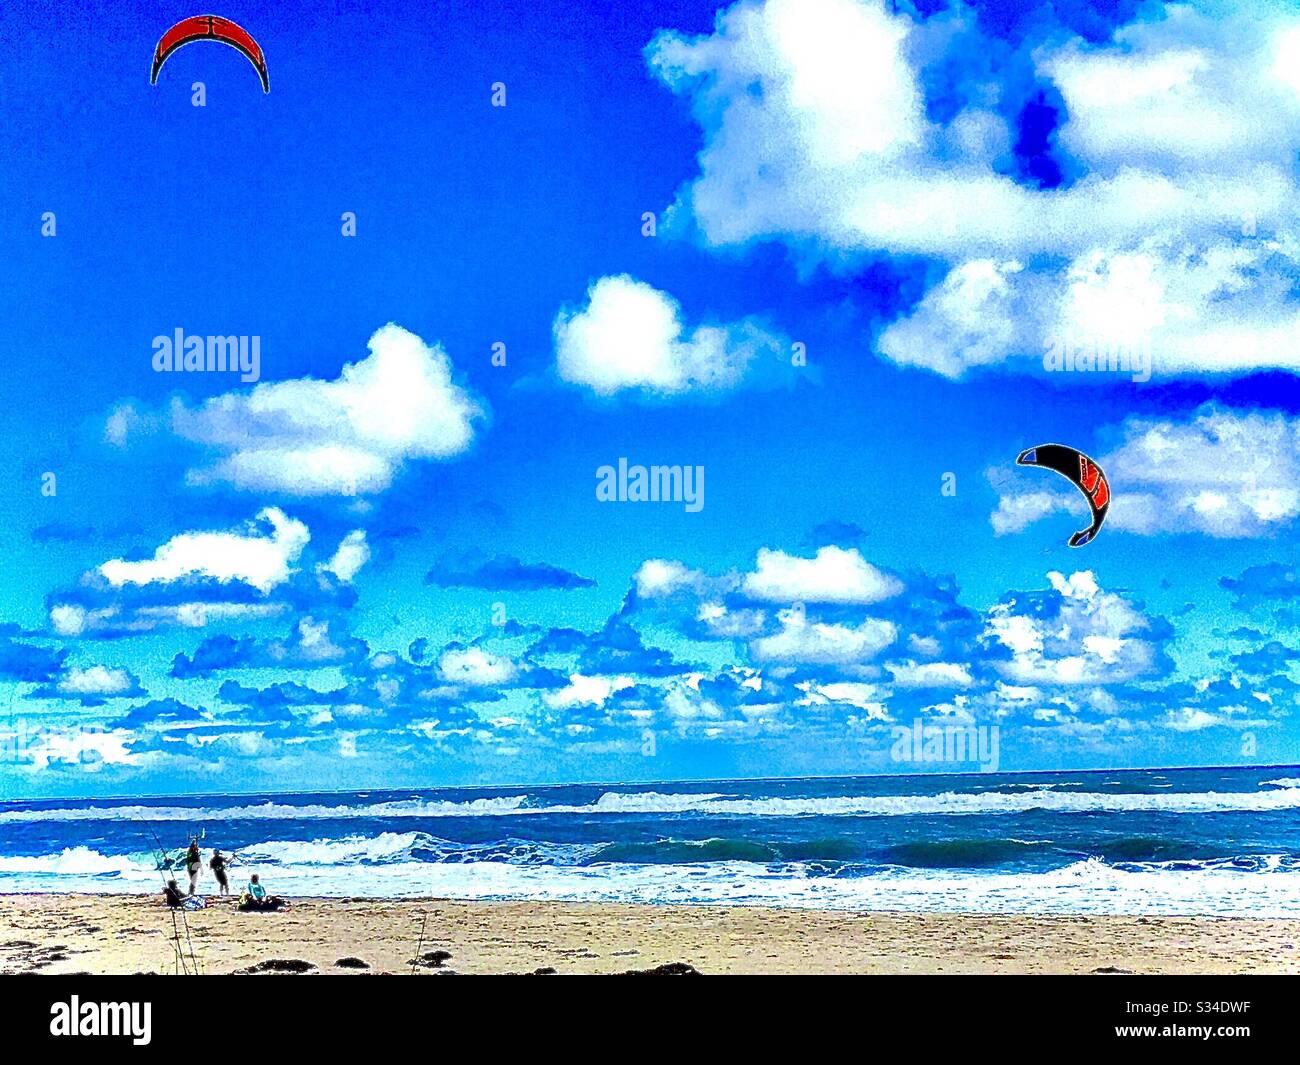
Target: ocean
x=1194, y=841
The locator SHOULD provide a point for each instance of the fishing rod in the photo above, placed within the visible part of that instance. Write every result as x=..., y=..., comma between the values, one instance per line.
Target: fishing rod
x=185, y=920
x=185, y=917
x=176, y=931
x=419, y=946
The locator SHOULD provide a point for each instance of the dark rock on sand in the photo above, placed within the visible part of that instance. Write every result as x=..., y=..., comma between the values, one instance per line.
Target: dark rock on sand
x=351, y=963
x=433, y=959
x=277, y=965
x=672, y=968
x=1110, y=970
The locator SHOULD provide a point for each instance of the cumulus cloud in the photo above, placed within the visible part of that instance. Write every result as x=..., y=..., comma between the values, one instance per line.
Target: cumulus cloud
x=803, y=641
x=1178, y=233
x=90, y=686
x=833, y=575
x=261, y=555
x=1017, y=512
x=353, y=553
x=90, y=749
x=101, y=681
x=198, y=578
x=1220, y=473
x=1075, y=634
x=860, y=696
x=657, y=577
x=311, y=643
x=585, y=690
x=351, y=435
x=966, y=320
x=631, y=337
x=475, y=666
x=909, y=674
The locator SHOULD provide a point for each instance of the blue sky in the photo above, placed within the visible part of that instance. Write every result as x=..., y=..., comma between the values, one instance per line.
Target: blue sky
x=385, y=563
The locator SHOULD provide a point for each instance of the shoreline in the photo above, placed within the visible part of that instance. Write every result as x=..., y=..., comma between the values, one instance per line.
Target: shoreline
x=100, y=934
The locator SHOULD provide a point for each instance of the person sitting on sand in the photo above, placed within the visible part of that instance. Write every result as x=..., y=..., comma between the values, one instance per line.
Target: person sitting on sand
x=256, y=898
x=218, y=867
x=172, y=895
x=193, y=862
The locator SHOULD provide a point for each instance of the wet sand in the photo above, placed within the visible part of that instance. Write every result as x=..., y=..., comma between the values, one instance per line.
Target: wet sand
x=130, y=934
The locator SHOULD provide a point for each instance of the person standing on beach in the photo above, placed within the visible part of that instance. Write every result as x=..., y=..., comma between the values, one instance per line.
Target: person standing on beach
x=193, y=863
x=218, y=867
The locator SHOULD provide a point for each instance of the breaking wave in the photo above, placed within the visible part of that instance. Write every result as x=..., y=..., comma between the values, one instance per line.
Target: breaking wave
x=1285, y=795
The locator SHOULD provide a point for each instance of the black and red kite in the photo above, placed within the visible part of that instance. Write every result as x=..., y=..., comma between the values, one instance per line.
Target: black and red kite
x=1080, y=471
x=209, y=28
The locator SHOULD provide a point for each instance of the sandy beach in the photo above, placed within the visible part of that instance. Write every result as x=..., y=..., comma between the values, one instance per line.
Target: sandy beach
x=130, y=934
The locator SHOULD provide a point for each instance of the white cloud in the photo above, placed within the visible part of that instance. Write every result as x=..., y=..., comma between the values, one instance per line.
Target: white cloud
x=658, y=577
x=89, y=748
x=1181, y=234
x=251, y=555
x=353, y=553
x=473, y=665
x=930, y=674
x=196, y=615
x=866, y=697
x=685, y=702
x=351, y=435
x=963, y=321
x=630, y=336
x=73, y=619
x=802, y=641
x=96, y=680
x=729, y=624
x=1190, y=719
x=1095, y=637
x=313, y=644
x=68, y=619
x=586, y=691
x=833, y=575
x=124, y=420
x=1016, y=513
x=1224, y=474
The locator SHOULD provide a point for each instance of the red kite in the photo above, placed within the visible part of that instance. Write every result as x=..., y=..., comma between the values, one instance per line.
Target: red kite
x=209, y=28
x=1080, y=471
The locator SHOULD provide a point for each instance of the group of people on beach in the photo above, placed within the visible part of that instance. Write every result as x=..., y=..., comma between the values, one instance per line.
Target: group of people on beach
x=253, y=897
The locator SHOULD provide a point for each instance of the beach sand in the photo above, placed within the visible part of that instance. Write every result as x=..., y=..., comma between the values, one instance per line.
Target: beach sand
x=129, y=934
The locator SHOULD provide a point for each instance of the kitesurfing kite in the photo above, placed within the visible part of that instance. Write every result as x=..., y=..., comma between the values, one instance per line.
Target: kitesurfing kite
x=209, y=28
x=1083, y=473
